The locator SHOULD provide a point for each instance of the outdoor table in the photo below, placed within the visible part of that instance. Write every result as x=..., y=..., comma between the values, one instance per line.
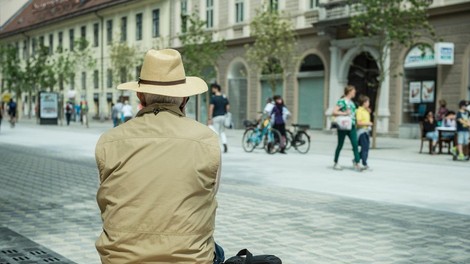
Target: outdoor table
x=441, y=130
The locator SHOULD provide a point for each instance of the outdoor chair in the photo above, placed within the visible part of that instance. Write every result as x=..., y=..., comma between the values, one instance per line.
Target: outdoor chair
x=424, y=139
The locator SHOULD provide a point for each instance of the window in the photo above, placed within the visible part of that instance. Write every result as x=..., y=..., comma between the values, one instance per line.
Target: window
x=137, y=72
x=17, y=50
x=96, y=32
x=109, y=32
x=96, y=79
x=184, y=15
x=209, y=13
x=25, y=49
x=313, y=4
x=123, y=75
x=156, y=23
x=138, y=26
x=34, y=45
x=83, y=32
x=60, y=40
x=71, y=39
x=72, y=81
x=83, y=80
x=109, y=78
x=41, y=41
x=123, y=29
x=273, y=5
x=239, y=14
x=51, y=43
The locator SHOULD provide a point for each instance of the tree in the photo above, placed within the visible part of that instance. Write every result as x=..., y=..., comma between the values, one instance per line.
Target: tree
x=389, y=24
x=272, y=50
x=199, y=52
x=123, y=61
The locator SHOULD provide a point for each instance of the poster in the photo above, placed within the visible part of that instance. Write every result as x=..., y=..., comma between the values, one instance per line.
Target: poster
x=48, y=105
x=428, y=91
x=415, y=92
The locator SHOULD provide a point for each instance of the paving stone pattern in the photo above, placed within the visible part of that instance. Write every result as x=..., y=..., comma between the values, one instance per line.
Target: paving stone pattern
x=50, y=199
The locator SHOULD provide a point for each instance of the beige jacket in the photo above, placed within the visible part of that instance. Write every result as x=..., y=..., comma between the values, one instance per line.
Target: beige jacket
x=157, y=193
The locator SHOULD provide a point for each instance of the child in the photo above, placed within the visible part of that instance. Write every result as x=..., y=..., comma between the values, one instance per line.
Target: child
x=449, y=122
x=462, y=129
x=363, y=127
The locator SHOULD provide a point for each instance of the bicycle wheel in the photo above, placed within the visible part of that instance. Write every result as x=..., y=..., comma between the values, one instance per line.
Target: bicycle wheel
x=289, y=139
x=249, y=140
x=273, y=141
x=302, y=142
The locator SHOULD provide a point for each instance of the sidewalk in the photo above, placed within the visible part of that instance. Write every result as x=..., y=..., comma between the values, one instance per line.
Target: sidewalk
x=412, y=208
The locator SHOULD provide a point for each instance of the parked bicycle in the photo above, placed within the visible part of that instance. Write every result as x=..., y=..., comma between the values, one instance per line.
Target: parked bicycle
x=261, y=135
x=300, y=140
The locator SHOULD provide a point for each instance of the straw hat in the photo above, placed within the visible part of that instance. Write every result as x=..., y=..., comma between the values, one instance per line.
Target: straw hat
x=163, y=73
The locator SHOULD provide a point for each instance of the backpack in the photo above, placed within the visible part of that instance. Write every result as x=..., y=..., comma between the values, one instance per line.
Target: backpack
x=245, y=257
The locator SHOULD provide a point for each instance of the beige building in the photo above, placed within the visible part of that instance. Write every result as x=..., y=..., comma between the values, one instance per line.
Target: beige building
x=323, y=58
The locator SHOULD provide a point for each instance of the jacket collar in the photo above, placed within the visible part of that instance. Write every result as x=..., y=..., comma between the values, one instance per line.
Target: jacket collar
x=157, y=108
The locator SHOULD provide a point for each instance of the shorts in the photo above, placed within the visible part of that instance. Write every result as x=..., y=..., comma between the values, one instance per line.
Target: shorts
x=462, y=137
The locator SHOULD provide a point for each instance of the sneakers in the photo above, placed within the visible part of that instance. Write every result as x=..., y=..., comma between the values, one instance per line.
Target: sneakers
x=461, y=157
x=453, y=151
x=337, y=167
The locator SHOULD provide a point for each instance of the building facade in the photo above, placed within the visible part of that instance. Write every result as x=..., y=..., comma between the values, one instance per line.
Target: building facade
x=323, y=58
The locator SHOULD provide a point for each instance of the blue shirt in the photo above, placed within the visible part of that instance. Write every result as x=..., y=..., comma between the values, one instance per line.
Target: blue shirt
x=464, y=116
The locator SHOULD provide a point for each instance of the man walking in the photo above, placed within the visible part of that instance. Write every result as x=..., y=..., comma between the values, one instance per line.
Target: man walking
x=219, y=106
x=159, y=173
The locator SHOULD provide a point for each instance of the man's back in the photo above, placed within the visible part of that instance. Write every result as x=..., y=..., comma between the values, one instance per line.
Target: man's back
x=157, y=192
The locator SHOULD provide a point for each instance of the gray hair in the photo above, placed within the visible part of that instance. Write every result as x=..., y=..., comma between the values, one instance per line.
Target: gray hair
x=162, y=99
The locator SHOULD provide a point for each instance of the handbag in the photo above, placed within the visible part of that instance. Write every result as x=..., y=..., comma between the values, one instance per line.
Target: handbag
x=245, y=257
x=228, y=120
x=344, y=122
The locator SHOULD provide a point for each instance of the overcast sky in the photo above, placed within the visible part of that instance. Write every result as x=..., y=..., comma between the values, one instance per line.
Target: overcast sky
x=9, y=8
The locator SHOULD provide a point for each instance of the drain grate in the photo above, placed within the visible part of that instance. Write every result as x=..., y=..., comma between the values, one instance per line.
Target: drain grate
x=22, y=250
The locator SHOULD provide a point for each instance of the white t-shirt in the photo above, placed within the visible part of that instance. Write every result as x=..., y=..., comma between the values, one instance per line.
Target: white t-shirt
x=127, y=111
x=268, y=108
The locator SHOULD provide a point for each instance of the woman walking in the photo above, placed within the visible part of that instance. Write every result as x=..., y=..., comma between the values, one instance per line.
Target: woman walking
x=346, y=107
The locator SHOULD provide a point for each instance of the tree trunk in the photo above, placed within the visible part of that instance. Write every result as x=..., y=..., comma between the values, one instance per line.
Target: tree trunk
x=30, y=104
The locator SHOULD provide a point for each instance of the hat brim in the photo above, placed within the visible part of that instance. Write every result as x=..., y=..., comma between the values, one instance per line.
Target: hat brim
x=192, y=86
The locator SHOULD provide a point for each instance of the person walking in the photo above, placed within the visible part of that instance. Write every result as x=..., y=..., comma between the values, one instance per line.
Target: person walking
x=463, y=124
x=346, y=107
x=12, y=112
x=279, y=116
x=1, y=113
x=219, y=106
x=115, y=114
x=363, y=128
x=68, y=112
x=127, y=111
x=159, y=174
x=84, y=113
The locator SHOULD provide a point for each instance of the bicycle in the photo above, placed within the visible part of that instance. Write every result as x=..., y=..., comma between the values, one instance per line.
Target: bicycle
x=300, y=140
x=261, y=135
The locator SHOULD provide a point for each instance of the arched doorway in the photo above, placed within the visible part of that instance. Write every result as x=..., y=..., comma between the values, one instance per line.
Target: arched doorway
x=363, y=75
x=237, y=92
x=311, y=79
x=271, y=81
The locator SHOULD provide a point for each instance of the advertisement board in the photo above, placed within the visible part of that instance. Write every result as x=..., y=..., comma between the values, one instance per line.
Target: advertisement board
x=428, y=90
x=415, y=92
x=444, y=53
x=48, y=105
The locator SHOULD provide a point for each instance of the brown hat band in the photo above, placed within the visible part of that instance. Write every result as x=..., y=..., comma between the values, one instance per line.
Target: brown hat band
x=162, y=83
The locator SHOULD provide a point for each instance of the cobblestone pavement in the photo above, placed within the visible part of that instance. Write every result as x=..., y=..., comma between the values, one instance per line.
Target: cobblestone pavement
x=49, y=197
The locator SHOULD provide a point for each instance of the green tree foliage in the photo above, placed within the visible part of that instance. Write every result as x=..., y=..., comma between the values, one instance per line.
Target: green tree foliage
x=11, y=70
x=272, y=50
x=389, y=24
x=124, y=60
x=199, y=52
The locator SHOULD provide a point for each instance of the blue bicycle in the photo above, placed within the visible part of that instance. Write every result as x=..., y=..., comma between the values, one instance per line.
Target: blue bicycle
x=261, y=135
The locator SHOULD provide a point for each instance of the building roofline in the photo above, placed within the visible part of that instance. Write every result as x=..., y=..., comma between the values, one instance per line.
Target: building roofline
x=61, y=18
x=21, y=9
